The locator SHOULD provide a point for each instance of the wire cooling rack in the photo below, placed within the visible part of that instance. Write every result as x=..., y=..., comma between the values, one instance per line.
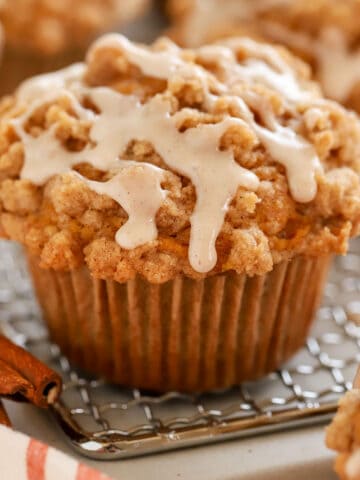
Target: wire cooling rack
x=105, y=422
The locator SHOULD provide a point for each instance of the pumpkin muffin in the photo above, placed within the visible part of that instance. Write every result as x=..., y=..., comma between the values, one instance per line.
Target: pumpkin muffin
x=325, y=33
x=179, y=208
x=343, y=436
x=43, y=35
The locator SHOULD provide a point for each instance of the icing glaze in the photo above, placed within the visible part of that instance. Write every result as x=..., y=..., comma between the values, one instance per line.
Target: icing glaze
x=287, y=147
x=159, y=65
x=338, y=66
x=38, y=86
x=265, y=66
x=137, y=188
x=194, y=153
x=162, y=64
x=302, y=180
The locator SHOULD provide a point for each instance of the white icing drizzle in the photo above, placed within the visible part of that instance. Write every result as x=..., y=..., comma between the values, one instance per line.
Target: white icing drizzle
x=265, y=66
x=137, y=188
x=338, y=67
x=352, y=467
x=287, y=148
x=282, y=82
x=159, y=65
x=46, y=145
x=301, y=165
x=194, y=153
x=38, y=86
x=162, y=64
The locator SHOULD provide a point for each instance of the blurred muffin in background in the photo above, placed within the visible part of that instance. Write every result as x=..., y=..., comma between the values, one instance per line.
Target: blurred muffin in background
x=343, y=436
x=325, y=33
x=43, y=35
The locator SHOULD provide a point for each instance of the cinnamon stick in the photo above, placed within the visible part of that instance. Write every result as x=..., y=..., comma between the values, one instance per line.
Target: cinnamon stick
x=24, y=377
x=4, y=419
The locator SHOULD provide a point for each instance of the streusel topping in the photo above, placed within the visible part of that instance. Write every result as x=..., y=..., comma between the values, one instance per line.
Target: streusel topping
x=157, y=160
x=326, y=33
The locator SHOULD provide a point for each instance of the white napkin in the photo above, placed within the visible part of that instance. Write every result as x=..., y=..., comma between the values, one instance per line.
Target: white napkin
x=23, y=458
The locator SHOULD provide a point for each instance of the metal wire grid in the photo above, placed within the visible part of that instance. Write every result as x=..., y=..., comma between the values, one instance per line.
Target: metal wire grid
x=107, y=422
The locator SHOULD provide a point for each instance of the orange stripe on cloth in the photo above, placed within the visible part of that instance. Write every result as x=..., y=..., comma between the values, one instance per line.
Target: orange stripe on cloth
x=86, y=473
x=35, y=460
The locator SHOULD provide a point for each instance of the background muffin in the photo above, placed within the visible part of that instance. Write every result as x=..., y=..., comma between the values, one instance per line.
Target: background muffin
x=179, y=208
x=343, y=436
x=325, y=33
x=41, y=35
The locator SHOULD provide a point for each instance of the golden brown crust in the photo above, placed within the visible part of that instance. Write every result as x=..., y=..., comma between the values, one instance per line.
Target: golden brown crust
x=66, y=224
x=343, y=435
x=50, y=27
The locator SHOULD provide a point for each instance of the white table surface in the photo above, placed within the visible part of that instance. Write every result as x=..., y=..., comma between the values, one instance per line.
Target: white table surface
x=289, y=455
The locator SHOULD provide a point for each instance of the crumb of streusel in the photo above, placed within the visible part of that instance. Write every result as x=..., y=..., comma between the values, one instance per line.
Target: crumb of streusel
x=195, y=23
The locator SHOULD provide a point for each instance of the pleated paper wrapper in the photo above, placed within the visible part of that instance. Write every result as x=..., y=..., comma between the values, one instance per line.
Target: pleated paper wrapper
x=186, y=335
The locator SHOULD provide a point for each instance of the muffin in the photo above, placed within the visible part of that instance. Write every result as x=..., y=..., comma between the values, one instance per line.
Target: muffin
x=343, y=436
x=43, y=35
x=179, y=208
x=325, y=33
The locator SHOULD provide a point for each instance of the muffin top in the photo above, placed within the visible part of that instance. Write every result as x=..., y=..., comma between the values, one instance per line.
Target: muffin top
x=49, y=27
x=326, y=33
x=159, y=161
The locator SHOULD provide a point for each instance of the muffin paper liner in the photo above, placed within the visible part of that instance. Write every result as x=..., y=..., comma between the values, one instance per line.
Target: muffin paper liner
x=186, y=335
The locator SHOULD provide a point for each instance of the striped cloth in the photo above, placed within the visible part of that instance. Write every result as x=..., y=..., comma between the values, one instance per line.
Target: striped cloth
x=23, y=458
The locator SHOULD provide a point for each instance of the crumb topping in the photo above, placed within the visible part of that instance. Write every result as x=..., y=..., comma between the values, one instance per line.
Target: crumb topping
x=159, y=161
x=325, y=33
